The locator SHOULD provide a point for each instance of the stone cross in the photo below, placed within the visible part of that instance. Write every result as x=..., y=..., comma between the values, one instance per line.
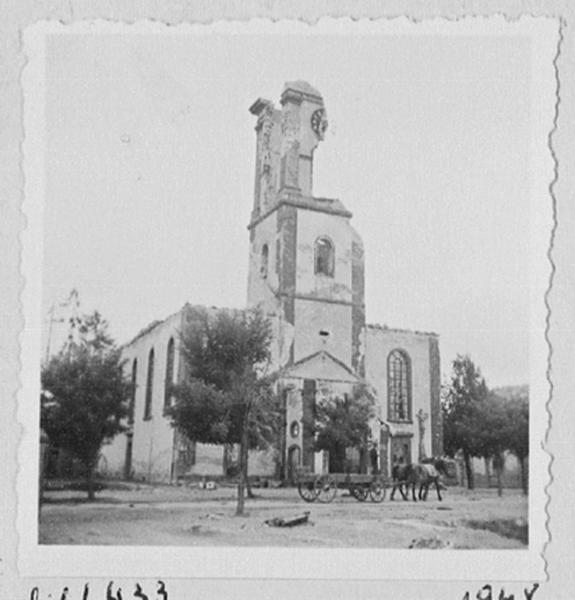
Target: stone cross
x=421, y=418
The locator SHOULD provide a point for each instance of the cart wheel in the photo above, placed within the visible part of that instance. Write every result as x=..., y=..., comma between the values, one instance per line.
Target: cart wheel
x=359, y=492
x=326, y=488
x=377, y=491
x=307, y=490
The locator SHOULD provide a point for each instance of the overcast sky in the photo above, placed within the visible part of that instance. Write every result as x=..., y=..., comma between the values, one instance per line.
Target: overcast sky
x=150, y=168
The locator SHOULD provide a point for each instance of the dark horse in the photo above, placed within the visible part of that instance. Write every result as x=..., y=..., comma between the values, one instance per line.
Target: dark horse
x=424, y=474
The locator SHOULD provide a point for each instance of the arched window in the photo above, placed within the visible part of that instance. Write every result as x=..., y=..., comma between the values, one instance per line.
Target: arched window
x=170, y=355
x=324, y=257
x=133, y=397
x=265, y=259
x=398, y=386
x=149, y=386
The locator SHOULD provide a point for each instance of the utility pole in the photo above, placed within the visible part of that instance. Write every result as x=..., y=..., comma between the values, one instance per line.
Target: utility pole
x=51, y=323
x=72, y=300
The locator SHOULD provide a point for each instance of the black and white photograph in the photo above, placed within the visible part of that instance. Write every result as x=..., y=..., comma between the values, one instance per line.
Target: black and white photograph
x=287, y=292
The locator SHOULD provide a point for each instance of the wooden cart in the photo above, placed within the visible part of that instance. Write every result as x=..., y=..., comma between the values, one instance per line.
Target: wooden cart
x=323, y=488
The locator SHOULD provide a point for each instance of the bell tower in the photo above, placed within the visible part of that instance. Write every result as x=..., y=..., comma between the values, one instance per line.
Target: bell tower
x=286, y=140
x=306, y=266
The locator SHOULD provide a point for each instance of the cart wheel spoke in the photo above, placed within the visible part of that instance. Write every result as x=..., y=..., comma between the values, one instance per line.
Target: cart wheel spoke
x=307, y=490
x=377, y=491
x=326, y=488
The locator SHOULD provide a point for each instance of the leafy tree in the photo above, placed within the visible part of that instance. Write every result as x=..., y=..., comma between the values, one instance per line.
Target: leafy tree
x=341, y=423
x=493, y=428
x=85, y=393
x=462, y=416
x=226, y=398
x=517, y=409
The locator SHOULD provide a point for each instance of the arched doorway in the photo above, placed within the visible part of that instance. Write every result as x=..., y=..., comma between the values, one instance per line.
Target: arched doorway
x=293, y=463
x=400, y=449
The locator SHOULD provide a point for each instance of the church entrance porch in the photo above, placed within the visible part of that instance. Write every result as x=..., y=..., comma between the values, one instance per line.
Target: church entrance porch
x=400, y=449
x=293, y=464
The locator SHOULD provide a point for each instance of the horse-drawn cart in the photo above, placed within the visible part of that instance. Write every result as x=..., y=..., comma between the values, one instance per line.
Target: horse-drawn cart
x=323, y=488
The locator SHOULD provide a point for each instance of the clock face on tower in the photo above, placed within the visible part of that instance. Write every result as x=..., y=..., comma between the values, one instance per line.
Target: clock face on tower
x=319, y=122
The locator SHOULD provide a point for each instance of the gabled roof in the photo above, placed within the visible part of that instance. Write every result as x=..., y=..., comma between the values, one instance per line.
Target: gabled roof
x=320, y=365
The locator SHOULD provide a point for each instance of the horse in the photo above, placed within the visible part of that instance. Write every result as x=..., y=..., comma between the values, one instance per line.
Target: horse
x=424, y=474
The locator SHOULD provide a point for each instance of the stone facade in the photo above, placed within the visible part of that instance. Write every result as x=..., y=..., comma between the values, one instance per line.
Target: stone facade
x=320, y=311
x=306, y=272
x=151, y=450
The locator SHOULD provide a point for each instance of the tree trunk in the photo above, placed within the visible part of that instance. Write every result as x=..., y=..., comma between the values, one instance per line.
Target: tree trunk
x=90, y=468
x=243, y=465
x=337, y=458
x=498, y=472
x=487, y=470
x=249, y=492
x=469, y=471
x=499, y=465
x=523, y=475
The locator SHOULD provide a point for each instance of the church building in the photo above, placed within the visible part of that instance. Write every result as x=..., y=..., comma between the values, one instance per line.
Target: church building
x=306, y=272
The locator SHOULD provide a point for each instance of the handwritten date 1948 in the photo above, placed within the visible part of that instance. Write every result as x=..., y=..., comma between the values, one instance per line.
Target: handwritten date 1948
x=486, y=593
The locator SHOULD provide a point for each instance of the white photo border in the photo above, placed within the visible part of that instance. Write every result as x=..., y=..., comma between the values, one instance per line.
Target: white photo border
x=35, y=560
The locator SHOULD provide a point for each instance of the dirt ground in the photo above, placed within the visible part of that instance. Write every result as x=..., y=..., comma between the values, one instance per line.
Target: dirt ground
x=163, y=515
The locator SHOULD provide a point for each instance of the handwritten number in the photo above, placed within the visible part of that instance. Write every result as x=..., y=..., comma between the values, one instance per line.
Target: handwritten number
x=110, y=596
x=502, y=595
x=162, y=590
x=529, y=594
x=34, y=593
x=486, y=588
x=138, y=593
x=85, y=593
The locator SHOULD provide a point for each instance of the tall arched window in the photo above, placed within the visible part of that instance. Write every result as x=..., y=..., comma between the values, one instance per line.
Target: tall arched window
x=265, y=259
x=324, y=257
x=133, y=396
x=398, y=386
x=149, y=386
x=170, y=355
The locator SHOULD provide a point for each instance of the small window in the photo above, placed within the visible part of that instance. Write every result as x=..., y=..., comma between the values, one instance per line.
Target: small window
x=399, y=386
x=294, y=429
x=324, y=257
x=265, y=260
x=170, y=355
x=149, y=386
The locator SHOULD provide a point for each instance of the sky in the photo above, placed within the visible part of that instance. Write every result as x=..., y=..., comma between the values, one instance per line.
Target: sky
x=150, y=160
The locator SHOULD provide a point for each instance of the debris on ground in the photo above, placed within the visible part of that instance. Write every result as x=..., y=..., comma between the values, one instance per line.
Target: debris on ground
x=429, y=543
x=206, y=485
x=291, y=522
x=211, y=516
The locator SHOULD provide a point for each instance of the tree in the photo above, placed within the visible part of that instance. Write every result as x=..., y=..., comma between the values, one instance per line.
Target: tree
x=461, y=412
x=85, y=394
x=517, y=409
x=492, y=434
x=341, y=423
x=226, y=397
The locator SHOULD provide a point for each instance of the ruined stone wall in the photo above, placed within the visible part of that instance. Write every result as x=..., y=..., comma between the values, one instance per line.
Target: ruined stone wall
x=311, y=226
x=311, y=317
x=379, y=342
x=153, y=437
x=324, y=303
x=262, y=286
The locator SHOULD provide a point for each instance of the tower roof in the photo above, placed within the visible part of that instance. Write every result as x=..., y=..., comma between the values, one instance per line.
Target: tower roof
x=301, y=86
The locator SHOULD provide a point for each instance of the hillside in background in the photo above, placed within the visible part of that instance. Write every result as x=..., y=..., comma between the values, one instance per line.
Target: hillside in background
x=512, y=391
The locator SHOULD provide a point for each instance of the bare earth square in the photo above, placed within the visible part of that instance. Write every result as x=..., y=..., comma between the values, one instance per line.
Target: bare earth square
x=162, y=515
